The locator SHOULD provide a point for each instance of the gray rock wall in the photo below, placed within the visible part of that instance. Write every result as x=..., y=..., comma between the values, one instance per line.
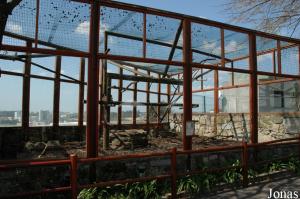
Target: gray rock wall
x=235, y=126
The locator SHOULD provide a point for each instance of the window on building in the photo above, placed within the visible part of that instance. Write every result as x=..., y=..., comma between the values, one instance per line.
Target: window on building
x=278, y=99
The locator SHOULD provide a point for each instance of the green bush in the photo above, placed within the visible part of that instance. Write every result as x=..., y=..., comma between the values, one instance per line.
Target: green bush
x=191, y=184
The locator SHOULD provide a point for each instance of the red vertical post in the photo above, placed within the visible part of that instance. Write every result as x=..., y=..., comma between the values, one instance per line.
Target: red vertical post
x=144, y=35
x=169, y=101
x=81, y=93
x=158, y=101
x=37, y=23
x=274, y=61
x=253, y=89
x=187, y=83
x=299, y=147
x=56, y=92
x=299, y=58
x=216, y=99
x=26, y=90
x=245, y=164
x=73, y=176
x=148, y=101
x=92, y=127
x=222, y=48
x=134, y=110
x=279, y=57
x=174, y=173
x=120, y=96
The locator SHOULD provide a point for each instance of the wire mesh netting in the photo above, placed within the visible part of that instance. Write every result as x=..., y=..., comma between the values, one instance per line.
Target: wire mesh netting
x=290, y=60
x=66, y=24
x=61, y=22
x=207, y=41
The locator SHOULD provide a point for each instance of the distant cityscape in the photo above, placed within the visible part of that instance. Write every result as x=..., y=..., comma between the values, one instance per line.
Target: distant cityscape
x=44, y=118
x=40, y=118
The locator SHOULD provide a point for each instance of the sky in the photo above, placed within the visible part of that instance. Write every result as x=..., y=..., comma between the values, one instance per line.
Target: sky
x=42, y=91
x=210, y=9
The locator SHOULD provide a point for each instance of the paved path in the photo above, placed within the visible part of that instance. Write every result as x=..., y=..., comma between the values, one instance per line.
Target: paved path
x=260, y=191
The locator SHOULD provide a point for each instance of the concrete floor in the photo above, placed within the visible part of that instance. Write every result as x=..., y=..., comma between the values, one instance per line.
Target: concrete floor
x=260, y=191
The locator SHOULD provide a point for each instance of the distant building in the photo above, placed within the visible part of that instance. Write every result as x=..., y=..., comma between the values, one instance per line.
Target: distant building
x=45, y=116
x=18, y=115
x=272, y=97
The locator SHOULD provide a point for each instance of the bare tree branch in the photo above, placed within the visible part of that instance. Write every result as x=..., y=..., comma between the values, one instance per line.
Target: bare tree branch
x=269, y=15
x=5, y=10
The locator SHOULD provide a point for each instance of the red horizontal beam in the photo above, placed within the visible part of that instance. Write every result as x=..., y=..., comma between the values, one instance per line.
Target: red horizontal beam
x=211, y=149
x=34, y=163
x=123, y=157
x=40, y=192
x=139, y=59
x=208, y=170
x=44, y=51
x=133, y=180
x=194, y=19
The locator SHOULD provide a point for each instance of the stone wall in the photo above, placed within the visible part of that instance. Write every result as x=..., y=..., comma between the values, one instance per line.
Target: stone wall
x=235, y=126
x=13, y=139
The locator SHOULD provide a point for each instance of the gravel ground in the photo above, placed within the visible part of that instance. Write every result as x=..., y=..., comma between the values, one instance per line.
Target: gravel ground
x=284, y=183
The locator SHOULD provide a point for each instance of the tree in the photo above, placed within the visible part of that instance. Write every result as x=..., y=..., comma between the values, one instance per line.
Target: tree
x=271, y=16
x=6, y=8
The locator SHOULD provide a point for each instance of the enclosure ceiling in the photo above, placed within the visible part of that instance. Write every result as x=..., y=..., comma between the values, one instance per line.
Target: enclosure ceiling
x=66, y=23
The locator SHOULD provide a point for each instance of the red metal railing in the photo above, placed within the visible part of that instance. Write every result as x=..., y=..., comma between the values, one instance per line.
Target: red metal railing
x=73, y=162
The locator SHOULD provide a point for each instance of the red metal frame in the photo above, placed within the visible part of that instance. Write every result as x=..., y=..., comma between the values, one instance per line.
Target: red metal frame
x=187, y=84
x=94, y=56
x=92, y=126
x=74, y=163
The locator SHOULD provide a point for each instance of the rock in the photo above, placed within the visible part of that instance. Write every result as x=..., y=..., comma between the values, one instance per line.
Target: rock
x=53, y=143
x=29, y=146
x=129, y=139
x=39, y=146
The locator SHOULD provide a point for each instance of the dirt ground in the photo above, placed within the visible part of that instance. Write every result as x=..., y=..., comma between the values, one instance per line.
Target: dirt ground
x=155, y=144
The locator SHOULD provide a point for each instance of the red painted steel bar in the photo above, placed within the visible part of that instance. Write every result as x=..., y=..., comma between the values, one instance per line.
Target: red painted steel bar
x=124, y=157
x=4, y=72
x=92, y=128
x=211, y=149
x=299, y=58
x=245, y=164
x=81, y=93
x=222, y=48
x=208, y=170
x=187, y=84
x=36, y=37
x=174, y=173
x=274, y=62
x=26, y=90
x=144, y=35
x=73, y=176
x=158, y=101
x=127, y=181
x=253, y=90
x=56, y=95
x=194, y=19
x=299, y=142
x=216, y=99
x=120, y=98
x=169, y=100
x=139, y=59
x=134, y=111
x=279, y=57
x=34, y=193
x=44, y=51
x=148, y=101
x=34, y=163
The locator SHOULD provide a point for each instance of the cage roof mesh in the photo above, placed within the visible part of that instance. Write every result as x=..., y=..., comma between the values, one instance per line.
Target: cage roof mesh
x=66, y=23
